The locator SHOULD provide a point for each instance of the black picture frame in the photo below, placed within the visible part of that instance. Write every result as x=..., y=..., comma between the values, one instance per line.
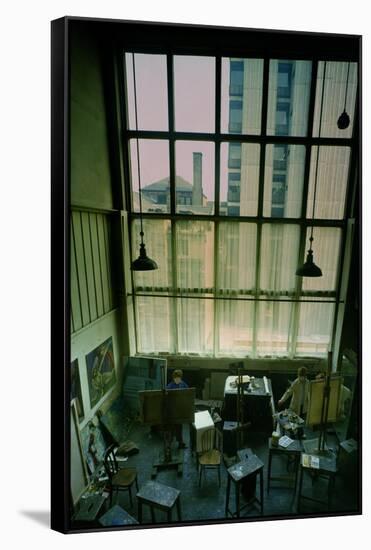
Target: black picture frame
x=107, y=36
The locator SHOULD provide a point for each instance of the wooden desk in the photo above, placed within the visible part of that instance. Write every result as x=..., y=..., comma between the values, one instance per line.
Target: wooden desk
x=327, y=469
x=158, y=496
x=117, y=516
x=294, y=450
x=252, y=466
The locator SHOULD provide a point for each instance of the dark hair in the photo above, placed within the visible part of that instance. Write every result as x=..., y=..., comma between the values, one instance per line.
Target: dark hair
x=302, y=371
x=178, y=373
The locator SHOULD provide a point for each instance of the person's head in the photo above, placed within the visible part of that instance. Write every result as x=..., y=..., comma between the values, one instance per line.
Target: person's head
x=320, y=376
x=302, y=373
x=177, y=376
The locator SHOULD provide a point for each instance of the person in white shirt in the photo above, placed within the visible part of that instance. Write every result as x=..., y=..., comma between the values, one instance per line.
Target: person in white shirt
x=298, y=391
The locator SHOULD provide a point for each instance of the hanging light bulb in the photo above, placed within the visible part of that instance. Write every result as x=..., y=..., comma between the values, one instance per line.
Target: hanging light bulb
x=344, y=118
x=143, y=262
x=309, y=268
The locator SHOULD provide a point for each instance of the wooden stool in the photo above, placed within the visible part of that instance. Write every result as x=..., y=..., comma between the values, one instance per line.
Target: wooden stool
x=327, y=469
x=157, y=495
x=238, y=473
x=293, y=450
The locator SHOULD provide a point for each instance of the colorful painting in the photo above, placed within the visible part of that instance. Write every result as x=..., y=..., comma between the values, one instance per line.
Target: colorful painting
x=100, y=366
x=76, y=389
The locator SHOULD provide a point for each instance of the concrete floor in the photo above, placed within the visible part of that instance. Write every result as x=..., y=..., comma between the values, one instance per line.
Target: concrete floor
x=207, y=503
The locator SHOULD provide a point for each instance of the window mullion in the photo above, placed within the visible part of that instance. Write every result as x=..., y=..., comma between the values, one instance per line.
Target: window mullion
x=216, y=288
x=257, y=289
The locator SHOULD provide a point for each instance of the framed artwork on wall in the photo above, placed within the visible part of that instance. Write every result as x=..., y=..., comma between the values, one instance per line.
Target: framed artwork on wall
x=206, y=202
x=100, y=366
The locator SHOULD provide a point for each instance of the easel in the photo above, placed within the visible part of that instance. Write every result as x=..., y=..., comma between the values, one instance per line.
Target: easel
x=319, y=446
x=241, y=425
x=166, y=408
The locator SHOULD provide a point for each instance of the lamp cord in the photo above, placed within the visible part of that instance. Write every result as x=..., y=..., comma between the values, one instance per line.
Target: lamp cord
x=346, y=88
x=138, y=161
x=316, y=172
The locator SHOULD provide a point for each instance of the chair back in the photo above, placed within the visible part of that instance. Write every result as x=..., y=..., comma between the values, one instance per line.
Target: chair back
x=110, y=462
x=211, y=439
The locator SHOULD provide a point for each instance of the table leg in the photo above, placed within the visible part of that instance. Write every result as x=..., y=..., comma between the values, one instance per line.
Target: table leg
x=330, y=489
x=139, y=510
x=227, y=495
x=269, y=469
x=237, y=485
x=300, y=486
x=261, y=493
x=178, y=509
x=296, y=466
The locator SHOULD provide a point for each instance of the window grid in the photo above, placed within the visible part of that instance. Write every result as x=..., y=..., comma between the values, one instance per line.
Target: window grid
x=264, y=141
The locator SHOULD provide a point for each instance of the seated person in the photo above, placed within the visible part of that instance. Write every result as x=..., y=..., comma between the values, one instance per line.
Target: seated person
x=178, y=384
x=298, y=391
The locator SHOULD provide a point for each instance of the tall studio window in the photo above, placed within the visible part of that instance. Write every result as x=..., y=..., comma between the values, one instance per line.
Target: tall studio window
x=228, y=220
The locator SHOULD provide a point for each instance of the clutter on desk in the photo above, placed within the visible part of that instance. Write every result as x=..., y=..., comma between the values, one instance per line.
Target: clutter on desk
x=310, y=461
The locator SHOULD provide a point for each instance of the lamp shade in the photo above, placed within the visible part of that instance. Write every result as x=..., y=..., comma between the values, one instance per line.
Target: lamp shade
x=343, y=120
x=143, y=263
x=309, y=269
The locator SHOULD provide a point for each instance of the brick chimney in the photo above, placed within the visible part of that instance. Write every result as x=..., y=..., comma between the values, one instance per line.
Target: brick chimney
x=197, y=198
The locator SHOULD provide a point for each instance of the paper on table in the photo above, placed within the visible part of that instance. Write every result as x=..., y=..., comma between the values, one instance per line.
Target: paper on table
x=310, y=461
x=285, y=441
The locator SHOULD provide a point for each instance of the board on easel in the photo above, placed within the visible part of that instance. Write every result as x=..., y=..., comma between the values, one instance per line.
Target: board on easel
x=315, y=400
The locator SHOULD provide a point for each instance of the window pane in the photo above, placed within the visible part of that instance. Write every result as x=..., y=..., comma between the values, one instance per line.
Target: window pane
x=155, y=324
x=275, y=322
x=283, y=180
x=239, y=179
x=195, y=255
x=151, y=87
x=242, y=83
x=326, y=249
x=195, y=180
x=279, y=258
x=154, y=175
x=332, y=178
x=334, y=98
x=194, y=93
x=315, y=326
x=235, y=326
x=157, y=238
x=195, y=325
x=236, y=257
x=288, y=99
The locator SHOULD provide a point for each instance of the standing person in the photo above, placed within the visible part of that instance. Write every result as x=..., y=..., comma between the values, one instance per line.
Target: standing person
x=178, y=384
x=298, y=392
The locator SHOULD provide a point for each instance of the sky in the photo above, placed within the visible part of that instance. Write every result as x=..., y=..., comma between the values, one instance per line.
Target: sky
x=194, y=102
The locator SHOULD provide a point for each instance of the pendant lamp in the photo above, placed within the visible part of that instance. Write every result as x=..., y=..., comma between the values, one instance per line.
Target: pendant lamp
x=309, y=268
x=143, y=262
x=344, y=118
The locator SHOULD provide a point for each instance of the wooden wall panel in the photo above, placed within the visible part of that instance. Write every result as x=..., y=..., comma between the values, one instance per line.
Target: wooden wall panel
x=92, y=292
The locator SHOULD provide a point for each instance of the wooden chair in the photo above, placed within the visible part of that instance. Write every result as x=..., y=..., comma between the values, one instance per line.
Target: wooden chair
x=120, y=479
x=211, y=452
